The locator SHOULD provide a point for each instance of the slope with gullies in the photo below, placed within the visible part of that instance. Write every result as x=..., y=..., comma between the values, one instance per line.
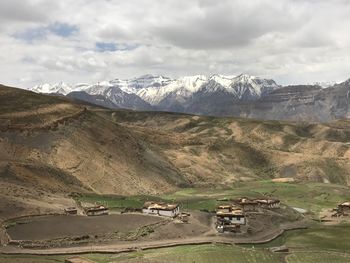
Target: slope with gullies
x=50, y=147
x=213, y=150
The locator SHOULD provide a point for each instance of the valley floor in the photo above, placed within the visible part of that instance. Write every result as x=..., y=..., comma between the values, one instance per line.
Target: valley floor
x=319, y=243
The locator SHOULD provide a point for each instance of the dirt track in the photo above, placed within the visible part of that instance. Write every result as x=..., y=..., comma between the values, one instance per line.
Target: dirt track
x=141, y=245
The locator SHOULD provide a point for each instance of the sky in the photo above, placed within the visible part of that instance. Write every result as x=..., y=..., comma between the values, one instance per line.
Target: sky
x=86, y=41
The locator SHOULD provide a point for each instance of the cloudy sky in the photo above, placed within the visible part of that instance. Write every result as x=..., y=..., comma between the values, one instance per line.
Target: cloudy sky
x=291, y=41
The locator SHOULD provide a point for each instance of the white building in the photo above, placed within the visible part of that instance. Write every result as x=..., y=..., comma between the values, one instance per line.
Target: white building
x=234, y=217
x=161, y=209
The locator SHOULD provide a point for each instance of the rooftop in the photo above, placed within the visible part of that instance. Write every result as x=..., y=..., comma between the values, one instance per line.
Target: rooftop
x=160, y=206
x=96, y=208
x=236, y=212
x=267, y=201
x=247, y=201
x=228, y=210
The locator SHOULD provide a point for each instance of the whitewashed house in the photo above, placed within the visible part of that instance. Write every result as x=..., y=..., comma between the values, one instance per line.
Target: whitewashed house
x=233, y=217
x=229, y=218
x=161, y=209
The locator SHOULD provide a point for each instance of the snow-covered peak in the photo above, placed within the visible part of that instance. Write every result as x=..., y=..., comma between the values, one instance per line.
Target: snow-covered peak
x=251, y=87
x=191, y=83
x=225, y=81
x=241, y=86
x=156, y=89
x=134, y=84
x=245, y=78
x=58, y=88
x=180, y=88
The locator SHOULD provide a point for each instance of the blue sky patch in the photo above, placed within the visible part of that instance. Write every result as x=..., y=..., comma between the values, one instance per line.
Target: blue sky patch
x=111, y=46
x=106, y=46
x=62, y=29
x=38, y=33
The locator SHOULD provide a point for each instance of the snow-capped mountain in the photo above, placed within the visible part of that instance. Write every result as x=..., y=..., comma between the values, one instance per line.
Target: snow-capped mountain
x=163, y=93
x=180, y=89
x=218, y=95
x=58, y=88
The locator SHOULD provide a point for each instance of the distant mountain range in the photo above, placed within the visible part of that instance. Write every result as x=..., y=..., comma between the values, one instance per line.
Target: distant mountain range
x=217, y=95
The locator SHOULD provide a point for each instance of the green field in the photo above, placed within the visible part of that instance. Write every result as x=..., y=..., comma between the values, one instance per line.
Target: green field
x=310, y=196
x=182, y=254
x=322, y=244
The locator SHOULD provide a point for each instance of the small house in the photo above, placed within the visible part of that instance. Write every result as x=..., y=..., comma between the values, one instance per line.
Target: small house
x=269, y=203
x=96, y=210
x=344, y=208
x=229, y=217
x=184, y=217
x=224, y=208
x=161, y=209
x=247, y=204
x=71, y=211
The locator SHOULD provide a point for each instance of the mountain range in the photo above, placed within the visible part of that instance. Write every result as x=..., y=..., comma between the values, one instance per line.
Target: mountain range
x=217, y=95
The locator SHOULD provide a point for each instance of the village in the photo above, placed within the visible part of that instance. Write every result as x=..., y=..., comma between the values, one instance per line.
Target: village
x=155, y=224
x=231, y=217
x=248, y=219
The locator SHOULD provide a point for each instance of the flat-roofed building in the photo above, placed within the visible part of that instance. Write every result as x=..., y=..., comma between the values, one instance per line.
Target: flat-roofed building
x=247, y=204
x=96, y=210
x=161, y=209
x=71, y=211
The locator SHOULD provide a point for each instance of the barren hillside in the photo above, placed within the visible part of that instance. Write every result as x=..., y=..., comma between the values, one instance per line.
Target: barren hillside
x=50, y=147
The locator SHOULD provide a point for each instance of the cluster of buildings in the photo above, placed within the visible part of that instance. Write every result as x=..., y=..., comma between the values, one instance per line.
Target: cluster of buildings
x=255, y=204
x=230, y=217
x=149, y=207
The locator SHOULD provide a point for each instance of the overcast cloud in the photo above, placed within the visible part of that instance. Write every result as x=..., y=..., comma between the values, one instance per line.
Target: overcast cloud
x=291, y=41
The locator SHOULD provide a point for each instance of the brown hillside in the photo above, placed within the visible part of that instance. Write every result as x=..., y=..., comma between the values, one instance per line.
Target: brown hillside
x=50, y=147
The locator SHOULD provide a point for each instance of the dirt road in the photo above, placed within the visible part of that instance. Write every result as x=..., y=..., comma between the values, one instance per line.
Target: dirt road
x=142, y=245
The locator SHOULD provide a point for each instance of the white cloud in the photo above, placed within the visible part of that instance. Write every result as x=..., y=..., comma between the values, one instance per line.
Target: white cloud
x=293, y=41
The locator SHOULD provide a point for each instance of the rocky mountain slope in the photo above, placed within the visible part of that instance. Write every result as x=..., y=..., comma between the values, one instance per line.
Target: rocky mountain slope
x=164, y=94
x=51, y=146
x=300, y=103
x=242, y=96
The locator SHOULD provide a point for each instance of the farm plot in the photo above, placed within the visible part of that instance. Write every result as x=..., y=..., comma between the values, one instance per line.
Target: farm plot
x=54, y=227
